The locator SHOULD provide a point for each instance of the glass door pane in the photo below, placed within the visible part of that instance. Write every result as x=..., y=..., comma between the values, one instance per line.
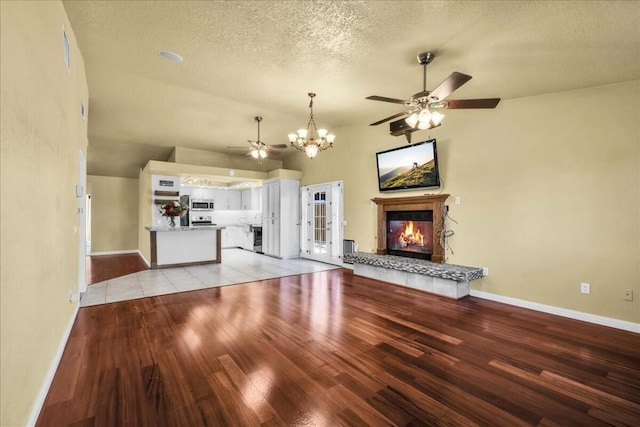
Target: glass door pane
x=320, y=225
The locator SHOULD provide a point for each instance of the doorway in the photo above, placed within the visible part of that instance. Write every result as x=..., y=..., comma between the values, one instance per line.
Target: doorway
x=322, y=222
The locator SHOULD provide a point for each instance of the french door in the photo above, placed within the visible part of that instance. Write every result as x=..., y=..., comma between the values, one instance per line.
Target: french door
x=322, y=224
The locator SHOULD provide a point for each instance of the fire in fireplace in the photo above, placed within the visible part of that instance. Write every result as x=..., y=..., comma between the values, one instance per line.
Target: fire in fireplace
x=410, y=234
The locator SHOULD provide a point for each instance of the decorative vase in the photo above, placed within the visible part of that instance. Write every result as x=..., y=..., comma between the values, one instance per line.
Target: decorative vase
x=172, y=221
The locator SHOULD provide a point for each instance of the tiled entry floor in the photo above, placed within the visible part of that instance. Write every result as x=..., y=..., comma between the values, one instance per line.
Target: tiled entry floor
x=238, y=266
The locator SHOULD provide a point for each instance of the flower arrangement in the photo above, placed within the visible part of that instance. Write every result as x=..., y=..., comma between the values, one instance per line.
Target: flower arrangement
x=173, y=209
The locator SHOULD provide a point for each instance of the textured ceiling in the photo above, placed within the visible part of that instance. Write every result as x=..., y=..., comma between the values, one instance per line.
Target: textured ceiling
x=244, y=58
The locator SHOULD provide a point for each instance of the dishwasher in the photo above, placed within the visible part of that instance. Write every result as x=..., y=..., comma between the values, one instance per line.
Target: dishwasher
x=257, y=238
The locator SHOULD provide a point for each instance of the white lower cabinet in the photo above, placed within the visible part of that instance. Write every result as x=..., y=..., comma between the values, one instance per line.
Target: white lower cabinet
x=229, y=237
x=281, y=218
x=237, y=237
x=245, y=237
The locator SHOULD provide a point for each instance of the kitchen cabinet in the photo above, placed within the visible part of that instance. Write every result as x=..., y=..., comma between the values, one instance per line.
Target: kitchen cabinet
x=220, y=199
x=251, y=199
x=198, y=193
x=234, y=200
x=247, y=242
x=281, y=217
x=226, y=199
x=271, y=199
x=230, y=237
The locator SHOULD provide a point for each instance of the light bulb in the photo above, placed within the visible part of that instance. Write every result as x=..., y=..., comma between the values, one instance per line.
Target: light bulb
x=254, y=153
x=292, y=137
x=424, y=115
x=412, y=120
x=424, y=119
x=311, y=150
x=330, y=138
x=436, y=118
x=322, y=133
x=302, y=133
x=263, y=154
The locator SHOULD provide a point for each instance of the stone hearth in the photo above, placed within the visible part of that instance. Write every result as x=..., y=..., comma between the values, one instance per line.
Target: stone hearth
x=448, y=280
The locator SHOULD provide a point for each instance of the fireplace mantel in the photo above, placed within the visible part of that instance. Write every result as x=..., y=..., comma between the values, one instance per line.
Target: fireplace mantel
x=433, y=203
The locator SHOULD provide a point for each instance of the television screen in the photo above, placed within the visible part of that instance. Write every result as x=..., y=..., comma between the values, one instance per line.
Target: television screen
x=409, y=167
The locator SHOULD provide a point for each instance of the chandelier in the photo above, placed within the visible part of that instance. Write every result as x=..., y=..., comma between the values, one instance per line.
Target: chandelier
x=311, y=140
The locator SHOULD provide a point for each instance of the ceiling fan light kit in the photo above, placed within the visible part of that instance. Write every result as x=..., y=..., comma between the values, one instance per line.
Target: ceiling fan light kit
x=258, y=149
x=311, y=140
x=421, y=113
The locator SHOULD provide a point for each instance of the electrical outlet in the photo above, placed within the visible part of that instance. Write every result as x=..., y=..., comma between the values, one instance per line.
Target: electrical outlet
x=628, y=295
x=585, y=288
x=485, y=271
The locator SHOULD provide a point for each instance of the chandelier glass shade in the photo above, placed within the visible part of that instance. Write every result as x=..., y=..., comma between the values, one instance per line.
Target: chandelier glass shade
x=311, y=140
x=425, y=119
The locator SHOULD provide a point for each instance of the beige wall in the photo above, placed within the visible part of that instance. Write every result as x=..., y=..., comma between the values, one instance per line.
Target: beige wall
x=41, y=134
x=145, y=213
x=190, y=156
x=114, y=213
x=549, y=188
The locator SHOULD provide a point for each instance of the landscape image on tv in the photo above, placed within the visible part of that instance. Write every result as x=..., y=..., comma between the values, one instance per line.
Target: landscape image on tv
x=414, y=166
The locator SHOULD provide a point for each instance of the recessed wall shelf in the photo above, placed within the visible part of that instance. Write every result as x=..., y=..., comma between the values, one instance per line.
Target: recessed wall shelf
x=166, y=193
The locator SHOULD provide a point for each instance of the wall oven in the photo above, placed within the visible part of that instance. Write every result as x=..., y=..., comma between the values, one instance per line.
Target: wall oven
x=201, y=205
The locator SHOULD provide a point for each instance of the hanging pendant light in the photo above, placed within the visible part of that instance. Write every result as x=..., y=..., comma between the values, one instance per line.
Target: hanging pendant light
x=311, y=140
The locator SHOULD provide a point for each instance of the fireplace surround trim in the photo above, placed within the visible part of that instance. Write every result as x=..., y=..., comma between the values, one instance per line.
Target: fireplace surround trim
x=434, y=203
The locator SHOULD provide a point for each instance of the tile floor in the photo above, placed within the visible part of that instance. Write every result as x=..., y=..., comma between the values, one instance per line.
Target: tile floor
x=237, y=266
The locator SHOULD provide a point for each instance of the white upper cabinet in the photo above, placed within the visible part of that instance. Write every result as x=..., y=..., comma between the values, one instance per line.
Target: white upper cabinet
x=221, y=199
x=234, y=200
x=198, y=193
x=251, y=199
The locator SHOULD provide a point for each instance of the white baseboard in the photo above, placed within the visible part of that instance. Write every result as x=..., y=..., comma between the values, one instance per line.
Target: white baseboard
x=46, y=383
x=128, y=251
x=146, y=261
x=564, y=312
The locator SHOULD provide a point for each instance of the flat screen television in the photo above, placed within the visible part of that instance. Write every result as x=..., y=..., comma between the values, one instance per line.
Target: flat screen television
x=409, y=167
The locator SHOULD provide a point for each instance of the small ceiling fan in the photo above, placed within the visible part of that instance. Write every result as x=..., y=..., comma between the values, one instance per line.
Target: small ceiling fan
x=422, y=108
x=258, y=149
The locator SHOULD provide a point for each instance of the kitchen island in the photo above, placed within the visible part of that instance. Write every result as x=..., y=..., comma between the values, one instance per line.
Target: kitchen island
x=183, y=246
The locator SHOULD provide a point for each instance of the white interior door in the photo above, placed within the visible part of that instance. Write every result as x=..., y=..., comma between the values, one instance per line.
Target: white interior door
x=322, y=224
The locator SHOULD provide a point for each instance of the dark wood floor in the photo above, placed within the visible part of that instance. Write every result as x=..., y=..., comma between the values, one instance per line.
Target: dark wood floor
x=331, y=348
x=104, y=267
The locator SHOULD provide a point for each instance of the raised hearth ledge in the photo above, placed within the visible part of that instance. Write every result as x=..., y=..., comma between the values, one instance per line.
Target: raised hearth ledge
x=448, y=280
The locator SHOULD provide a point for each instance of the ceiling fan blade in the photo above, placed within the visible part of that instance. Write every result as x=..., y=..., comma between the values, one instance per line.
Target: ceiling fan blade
x=451, y=83
x=385, y=99
x=404, y=113
x=471, y=103
x=277, y=146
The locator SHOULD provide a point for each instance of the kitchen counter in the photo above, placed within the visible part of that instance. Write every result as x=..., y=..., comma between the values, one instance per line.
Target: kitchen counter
x=177, y=228
x=184, y=246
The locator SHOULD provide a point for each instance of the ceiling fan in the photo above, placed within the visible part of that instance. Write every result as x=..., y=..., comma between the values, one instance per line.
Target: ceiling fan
x=422, y=108
x=258, y=149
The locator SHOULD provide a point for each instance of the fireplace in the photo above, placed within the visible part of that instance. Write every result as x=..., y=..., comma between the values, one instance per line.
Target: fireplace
x=417, y=222
x=410, y=234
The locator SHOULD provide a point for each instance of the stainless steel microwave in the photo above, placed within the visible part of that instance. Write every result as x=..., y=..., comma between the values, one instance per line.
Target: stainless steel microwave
x=201, y=205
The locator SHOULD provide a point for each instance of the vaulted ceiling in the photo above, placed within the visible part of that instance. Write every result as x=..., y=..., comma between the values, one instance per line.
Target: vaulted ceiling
x=248, y=58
